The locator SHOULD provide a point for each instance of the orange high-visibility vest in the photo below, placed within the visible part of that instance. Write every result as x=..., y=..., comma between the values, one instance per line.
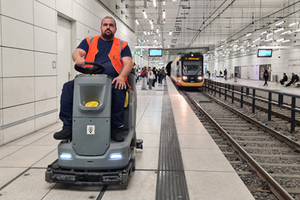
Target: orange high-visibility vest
x=114, y=54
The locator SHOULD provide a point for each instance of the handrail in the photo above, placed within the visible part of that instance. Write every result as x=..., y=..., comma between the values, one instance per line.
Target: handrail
x=216, y=86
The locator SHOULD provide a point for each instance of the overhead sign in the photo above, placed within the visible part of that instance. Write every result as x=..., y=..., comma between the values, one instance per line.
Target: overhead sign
x=137, y=52
x=192, y=58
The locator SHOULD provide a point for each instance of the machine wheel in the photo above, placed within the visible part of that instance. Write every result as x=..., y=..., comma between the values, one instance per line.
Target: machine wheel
x=139, y=144
x=133, y=164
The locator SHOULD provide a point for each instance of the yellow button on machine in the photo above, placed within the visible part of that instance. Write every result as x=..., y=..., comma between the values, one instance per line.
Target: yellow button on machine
x=91, y=104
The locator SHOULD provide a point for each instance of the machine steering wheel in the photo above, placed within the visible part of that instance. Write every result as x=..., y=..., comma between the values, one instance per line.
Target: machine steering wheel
x=97, y=68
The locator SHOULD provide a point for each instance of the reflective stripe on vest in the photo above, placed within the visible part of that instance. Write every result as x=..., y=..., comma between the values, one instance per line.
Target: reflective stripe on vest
x=114, y=54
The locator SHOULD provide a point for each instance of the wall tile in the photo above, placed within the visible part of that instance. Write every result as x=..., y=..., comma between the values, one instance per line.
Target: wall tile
x=17, y=34
x=81, y=31
x=0, y=29
x=100, y=11
x=24, y=111
x=65, y=7
x=44, y=16
x=1, y=117
x=82, y=15
x=49, y=3
x=21, y=10
x=18, y=131
x=45, y=106
x=45, y=87
x=43, y=64
x=17, y=62
x=0, y=61
x=46, y=120
x=17, y=91
x=97, y=23
x=89, y=5
x=44, y=40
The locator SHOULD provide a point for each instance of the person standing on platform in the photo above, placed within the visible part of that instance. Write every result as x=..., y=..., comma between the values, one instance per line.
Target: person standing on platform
x=225, y=74
x=144, y=77
x=284, y=79
x=150, y=78
x=266, y=77
x=215, y=74
x=295, y=78
x=236, y=75
x=162, y=75
x=154, y=76
x=208, y=74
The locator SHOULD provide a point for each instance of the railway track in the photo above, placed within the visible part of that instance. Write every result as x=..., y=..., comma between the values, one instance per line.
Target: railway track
x=281, y=115
x=274, y=157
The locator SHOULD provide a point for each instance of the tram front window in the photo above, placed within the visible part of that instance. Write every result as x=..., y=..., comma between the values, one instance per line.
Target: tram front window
x=192, y=70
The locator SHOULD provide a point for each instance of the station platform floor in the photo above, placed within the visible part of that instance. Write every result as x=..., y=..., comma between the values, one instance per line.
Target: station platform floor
x=207, y=173
x=276, y=86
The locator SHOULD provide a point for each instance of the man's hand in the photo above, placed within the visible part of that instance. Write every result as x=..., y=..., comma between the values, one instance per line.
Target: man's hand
x=80, y=61
x=120, y=82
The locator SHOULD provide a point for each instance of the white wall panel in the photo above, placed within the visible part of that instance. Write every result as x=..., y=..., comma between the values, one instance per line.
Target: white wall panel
x=17, y=62
x=21, y=10
x=100, y=12
x=17, y=91
x=16, y=34
x=46, y=120
x=18, y=131
x=1, y=117
x=43, y=64
x=0, y=67
x=45, y=87
x=44, y=40
x=84, y=31
x=82, y=15
x=44, y=106
x=18, y=113
x=44, y=16
x=65, y=7
x=0, y=31
x=97, y=25
x=88, y=4
x=50, y=3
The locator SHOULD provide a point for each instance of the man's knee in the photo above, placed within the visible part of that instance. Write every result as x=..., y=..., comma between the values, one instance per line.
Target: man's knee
x=68, y=85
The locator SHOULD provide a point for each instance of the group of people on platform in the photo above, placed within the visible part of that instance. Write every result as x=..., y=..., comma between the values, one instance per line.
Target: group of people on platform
x=294, y=79
x=149, y=76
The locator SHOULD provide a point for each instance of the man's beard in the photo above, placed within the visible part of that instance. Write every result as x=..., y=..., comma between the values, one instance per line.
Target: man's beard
x=108, y=36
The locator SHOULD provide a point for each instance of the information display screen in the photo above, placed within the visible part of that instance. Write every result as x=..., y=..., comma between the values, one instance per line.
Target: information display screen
x=155, y=52
x=264, y=53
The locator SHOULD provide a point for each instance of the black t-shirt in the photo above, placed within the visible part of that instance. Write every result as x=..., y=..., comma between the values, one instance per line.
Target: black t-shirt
x=104, y=48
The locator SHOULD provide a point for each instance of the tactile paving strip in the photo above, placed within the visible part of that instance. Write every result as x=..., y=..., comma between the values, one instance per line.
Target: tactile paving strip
x=171, y=181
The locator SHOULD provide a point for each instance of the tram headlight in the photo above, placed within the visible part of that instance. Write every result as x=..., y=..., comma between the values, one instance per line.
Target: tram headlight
x=200, y=78
x=184, y=78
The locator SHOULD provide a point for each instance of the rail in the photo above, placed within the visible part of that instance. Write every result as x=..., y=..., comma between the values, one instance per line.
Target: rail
x=276, y=188
x=250, y=92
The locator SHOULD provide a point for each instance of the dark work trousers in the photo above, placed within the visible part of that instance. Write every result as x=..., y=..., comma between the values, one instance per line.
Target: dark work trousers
x=290, y=83
x=266, y=82
x=66, y=105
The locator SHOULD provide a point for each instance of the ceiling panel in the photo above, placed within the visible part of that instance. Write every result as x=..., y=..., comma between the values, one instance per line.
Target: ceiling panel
x=210, y=24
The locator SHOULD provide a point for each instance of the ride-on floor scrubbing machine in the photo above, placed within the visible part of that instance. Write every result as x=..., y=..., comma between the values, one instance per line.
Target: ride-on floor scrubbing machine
x=92, y=157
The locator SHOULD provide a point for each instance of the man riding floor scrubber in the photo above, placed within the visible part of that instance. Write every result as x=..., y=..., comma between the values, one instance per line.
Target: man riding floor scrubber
x=92, y=157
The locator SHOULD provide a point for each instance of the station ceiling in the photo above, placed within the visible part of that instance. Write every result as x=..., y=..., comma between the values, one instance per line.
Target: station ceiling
x=223, y=28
